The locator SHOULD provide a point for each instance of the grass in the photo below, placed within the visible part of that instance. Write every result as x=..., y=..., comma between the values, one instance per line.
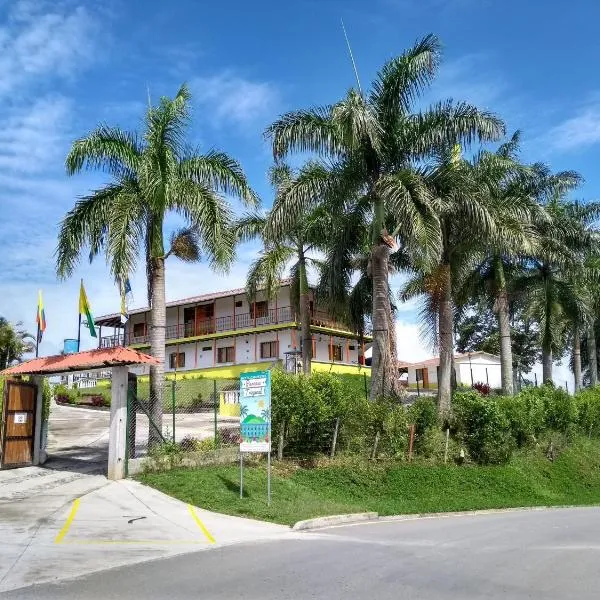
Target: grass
x=529, y=479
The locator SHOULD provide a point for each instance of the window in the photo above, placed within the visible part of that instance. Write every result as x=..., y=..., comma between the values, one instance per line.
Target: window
x=260, y=309
x=139, y=330
x=176, y=360
x=335, y=353
x=225, y=355
x=239, y=304
x=206, y=348
x=351, y=347
x=268, y=350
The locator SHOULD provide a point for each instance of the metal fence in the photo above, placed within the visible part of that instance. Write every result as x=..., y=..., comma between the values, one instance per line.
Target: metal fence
x=190, y=415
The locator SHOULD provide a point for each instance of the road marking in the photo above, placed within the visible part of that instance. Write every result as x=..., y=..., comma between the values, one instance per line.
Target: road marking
x=200, y=524
x=80, y=542
x=61, y=534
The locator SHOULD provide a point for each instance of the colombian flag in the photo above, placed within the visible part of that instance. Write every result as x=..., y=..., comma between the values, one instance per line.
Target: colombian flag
x=40, y=318
x=84, y=309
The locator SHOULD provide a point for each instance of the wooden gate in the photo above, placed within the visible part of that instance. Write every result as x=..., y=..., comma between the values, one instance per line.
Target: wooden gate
x=18, y=424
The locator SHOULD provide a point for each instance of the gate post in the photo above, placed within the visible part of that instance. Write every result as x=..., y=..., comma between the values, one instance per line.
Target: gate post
x=38, y=381
x=117, y=440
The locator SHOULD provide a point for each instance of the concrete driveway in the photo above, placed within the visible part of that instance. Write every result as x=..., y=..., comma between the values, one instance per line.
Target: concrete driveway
x=542, y=554
x=56, y=524
x=66, y=519
x=82, y=433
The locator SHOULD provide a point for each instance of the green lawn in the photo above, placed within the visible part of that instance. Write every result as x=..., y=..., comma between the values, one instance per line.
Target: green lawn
x=529, y=480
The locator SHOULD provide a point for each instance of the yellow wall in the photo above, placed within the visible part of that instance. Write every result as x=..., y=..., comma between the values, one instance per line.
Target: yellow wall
x=225, y=372
x=228, y=410
x=327, y=367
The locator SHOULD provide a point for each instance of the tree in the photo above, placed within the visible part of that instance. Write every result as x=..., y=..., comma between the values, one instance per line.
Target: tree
x=492, y=262
x=289, y=250
x=372, y=142
x=152, y=175
x=14, y=342
x=477, y=329
x=565, y=240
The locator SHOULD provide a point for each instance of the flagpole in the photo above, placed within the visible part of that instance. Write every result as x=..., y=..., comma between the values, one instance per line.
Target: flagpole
x=79, y=319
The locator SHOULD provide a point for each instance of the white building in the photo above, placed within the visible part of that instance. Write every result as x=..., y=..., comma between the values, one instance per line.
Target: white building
x=472, y=367
x=223, y=334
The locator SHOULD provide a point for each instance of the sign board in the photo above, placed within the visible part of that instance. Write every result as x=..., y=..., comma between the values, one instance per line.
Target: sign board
x=255, y=412
x=20, y=418
x=70, y=346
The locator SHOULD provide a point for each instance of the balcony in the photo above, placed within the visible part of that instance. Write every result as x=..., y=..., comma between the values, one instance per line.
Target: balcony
x=272, y=316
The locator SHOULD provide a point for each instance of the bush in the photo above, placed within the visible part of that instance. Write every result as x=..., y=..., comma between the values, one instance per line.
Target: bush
x=525, y=413
x=587, y=403
x=483, y=388
x=482, y=426
x=424, y=414
x=560, y=408
x=192, y=444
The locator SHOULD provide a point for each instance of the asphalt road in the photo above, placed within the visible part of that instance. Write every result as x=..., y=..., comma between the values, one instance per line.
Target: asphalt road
x=538, y=554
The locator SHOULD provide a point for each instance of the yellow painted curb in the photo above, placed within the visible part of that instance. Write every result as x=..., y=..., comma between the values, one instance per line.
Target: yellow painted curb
x=200, y=524
x=65, y=529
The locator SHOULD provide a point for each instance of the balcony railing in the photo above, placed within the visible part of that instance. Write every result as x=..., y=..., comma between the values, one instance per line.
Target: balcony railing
x=272, y=316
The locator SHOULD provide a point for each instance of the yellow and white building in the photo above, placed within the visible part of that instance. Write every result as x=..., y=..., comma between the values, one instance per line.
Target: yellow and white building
x=223, y=334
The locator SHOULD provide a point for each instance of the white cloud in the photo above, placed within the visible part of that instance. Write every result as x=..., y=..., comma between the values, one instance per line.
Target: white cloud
x=235, y=99
x=32, y=137
x=40, y=40
x=579, y=131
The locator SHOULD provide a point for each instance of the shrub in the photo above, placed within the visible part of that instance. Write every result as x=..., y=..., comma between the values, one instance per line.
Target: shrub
x=424, y=414
x=587, y=403
x=560, y=408
x=483, y=388
x=481, y=425
x=192, y=444
x=525, y=413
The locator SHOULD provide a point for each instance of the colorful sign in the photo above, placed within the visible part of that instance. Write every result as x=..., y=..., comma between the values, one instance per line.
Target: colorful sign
x=255, y=412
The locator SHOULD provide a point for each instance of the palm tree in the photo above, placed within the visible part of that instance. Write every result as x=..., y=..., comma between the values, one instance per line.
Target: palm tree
x=566, y=238
x=14, y=342
x=152, y=175
x=492, y=264
x=290, y=249
x=371, y=141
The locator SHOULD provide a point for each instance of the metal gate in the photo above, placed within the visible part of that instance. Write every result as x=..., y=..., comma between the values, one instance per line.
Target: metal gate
x=18, y=424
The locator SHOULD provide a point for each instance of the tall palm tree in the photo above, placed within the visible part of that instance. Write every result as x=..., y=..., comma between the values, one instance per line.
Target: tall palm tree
x=566, y=238
x=14, y=342
x=291, y=249
x=492, y=263
x=152, y=174
x=371, y=142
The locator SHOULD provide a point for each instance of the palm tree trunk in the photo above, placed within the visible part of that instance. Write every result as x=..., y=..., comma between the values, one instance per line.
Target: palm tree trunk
x=577, y=357
x=384, y=380
x=157, y=349
x=506, y=361
x=546, y=365
x=304, y=314
x=445, y=324
x=592, y=356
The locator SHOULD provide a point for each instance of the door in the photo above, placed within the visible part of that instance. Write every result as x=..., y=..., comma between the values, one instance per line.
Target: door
x=204, y=319
x=425, y=378
x=18, y=424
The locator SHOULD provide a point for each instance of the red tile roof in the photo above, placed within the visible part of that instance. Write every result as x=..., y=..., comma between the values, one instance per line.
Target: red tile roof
x=435, y=361
x=81, y=361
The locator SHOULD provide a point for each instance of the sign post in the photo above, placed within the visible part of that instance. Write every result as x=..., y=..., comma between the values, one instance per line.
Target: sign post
x=255, y=420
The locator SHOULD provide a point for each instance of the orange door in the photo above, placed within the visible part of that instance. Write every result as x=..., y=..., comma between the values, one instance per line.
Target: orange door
x=18, y=424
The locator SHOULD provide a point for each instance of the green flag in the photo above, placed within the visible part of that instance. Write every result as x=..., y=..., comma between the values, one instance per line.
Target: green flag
x=84, y=309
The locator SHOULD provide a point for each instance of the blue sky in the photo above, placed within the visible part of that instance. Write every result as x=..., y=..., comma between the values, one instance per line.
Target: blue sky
x=67, y=65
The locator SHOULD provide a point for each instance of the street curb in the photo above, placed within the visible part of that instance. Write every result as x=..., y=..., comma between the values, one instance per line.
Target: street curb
x=340, y=520
x=334, y=520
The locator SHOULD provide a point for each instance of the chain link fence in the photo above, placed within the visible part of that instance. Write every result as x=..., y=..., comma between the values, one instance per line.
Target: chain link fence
x=189, y=415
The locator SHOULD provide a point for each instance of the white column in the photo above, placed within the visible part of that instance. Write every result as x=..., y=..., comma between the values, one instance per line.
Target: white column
x=118, y=424
x=37, y=431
